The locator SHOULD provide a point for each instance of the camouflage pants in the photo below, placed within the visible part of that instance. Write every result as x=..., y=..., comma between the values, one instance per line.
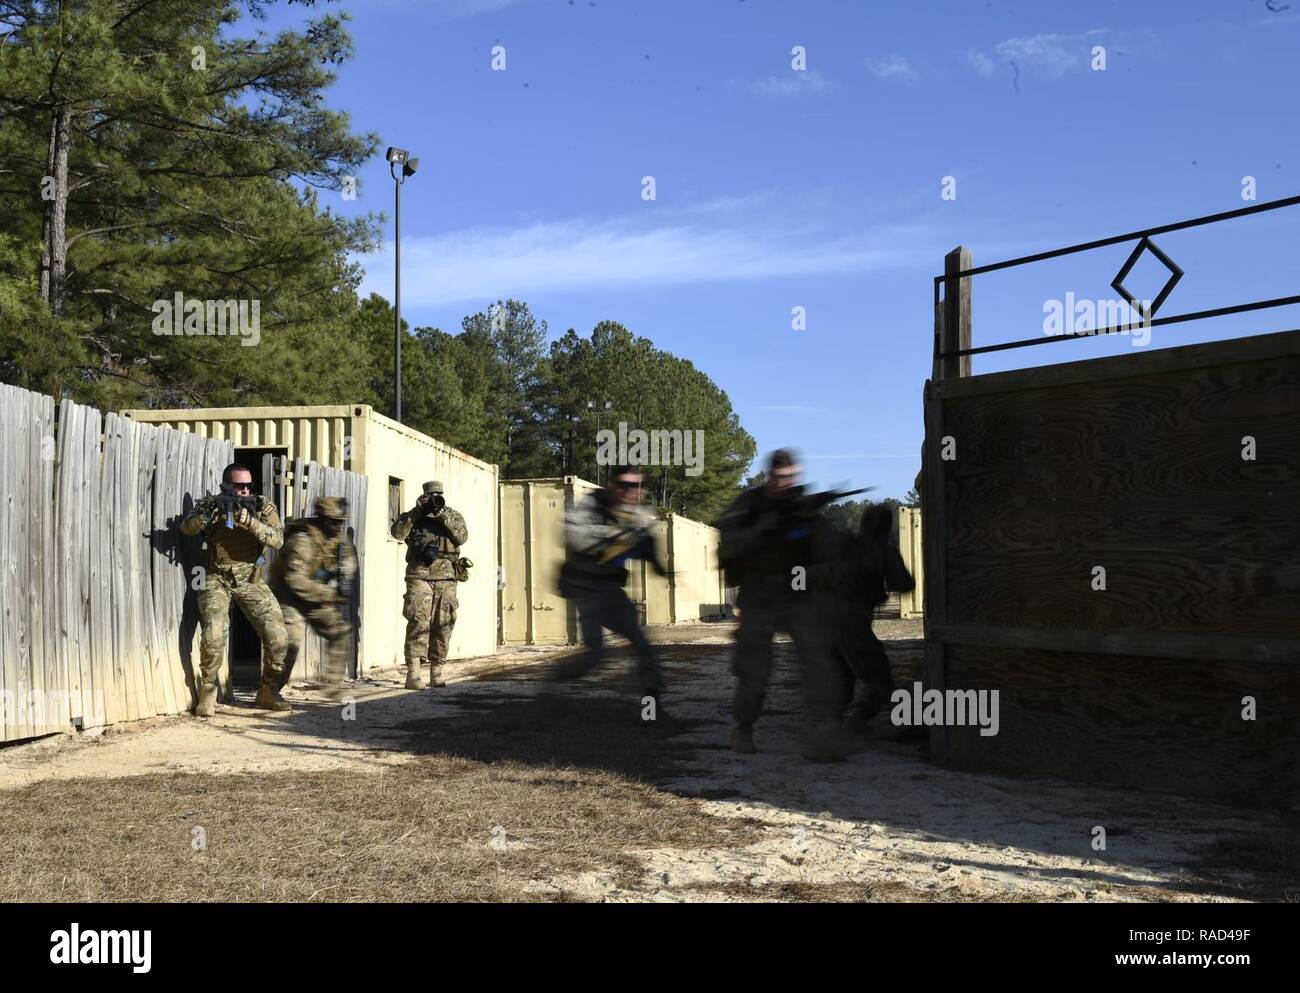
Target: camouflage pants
x=859, y=666
x=328, y=622
x=759, y=623
x=611, y=608
x=430, y=611
x=259, y=605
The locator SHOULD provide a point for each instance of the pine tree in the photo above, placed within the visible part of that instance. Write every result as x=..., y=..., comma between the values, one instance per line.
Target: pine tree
x=149, y=150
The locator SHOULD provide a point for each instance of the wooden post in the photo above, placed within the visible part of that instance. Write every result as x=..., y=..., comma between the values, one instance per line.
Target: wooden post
x=954, y=328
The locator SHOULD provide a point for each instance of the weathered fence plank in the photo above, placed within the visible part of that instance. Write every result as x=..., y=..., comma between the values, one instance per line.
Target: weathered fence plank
x=97, y=616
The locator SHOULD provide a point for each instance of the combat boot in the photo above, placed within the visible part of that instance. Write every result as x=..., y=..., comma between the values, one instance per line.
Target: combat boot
x=857, y=721
x=207, y=705
x=332, y=684
x=829, y=742
x=742, y=739
x=268, y=697
x=435, y=676
x=414, y=681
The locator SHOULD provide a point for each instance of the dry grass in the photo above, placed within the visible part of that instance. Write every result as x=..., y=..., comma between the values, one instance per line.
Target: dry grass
x=417, y=832
x=568, y=777
x=843, y=892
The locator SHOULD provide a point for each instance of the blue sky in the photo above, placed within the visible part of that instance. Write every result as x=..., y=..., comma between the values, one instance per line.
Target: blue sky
x=820, y=188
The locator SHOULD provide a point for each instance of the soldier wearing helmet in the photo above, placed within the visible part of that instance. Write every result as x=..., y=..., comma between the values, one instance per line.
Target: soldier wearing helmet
x=313, y=578
x=433, y=533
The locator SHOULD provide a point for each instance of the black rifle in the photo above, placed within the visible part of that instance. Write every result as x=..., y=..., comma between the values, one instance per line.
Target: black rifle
x=804, y=506
x=229, y=503
x=816, y=501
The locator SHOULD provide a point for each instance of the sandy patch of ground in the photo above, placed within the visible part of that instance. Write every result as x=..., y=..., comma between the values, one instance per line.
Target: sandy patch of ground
x=884, y=825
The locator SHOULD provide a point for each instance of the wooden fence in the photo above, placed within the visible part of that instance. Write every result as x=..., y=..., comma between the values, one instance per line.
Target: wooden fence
x=28, y=631
x=98, y=618
x=1112, y=545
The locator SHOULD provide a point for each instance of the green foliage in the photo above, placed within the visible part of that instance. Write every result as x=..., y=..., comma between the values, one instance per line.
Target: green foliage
x=495, y=391
x=847, y=514
x=149, y=149
x=647, y=389
x=179, y=179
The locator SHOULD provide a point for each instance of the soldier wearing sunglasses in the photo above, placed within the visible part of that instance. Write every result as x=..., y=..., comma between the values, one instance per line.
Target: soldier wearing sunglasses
x=233, y=565
x=603, y=532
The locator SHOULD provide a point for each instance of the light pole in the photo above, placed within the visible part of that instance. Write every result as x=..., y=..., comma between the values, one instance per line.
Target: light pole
x=398, y=157
x=591, y=405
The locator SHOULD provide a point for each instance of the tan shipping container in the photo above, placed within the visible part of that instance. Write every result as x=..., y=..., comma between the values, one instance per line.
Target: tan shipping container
x=532, y=550
x=911, y=605
x=699, y=592
x=397, y=460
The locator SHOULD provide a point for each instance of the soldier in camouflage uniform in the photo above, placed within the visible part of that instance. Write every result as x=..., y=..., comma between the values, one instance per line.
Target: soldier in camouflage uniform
x=603, y=532
x=433, y=533
x=233, y=571
x=768, y=534
x=856, y=574
x=311, y=577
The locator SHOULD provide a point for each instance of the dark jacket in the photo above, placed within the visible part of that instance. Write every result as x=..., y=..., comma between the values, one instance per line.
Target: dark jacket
x=859, y=570
x=600, y=538
x=764, y=538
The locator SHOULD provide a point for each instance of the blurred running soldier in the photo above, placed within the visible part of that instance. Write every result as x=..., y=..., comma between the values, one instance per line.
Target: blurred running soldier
x=312, y=577
x=773, y=536
x=856, y=578
x=603, y=532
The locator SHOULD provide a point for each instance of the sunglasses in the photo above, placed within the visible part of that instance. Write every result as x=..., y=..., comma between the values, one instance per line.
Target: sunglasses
x=241, y=486
x=627, y=486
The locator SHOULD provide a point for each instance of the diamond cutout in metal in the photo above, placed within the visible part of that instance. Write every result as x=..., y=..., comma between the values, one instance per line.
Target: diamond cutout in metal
x=1117, y=284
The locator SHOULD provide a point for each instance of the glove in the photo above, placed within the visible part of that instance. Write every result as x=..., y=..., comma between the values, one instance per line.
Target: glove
x=209, y=514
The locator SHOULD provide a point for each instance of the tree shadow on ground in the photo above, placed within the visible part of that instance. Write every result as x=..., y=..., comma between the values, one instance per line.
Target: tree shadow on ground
x=516, y=713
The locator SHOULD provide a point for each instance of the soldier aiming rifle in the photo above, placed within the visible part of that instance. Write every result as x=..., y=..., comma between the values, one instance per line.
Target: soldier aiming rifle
x=773, y=536
x=237, y=526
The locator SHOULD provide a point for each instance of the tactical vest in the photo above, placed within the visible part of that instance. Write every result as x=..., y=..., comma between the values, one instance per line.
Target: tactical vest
x=325, y=552
x=427, y=533
x=234, y=546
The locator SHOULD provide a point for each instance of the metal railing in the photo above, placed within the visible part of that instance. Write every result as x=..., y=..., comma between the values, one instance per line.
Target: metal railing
x=1144, y=243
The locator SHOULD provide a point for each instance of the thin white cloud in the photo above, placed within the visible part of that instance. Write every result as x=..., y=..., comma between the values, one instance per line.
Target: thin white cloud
x=981, y=63
x=734, y=204
x=893, y=66
x=1048, y=55
x=483, y=263
x=795, y=83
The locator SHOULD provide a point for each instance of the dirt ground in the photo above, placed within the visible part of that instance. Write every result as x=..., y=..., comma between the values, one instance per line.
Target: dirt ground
x=506, y=785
